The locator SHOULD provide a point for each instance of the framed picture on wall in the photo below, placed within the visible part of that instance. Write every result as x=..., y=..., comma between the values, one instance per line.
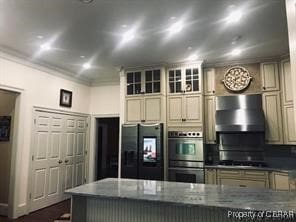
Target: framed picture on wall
x=5, y=128
x=65, y=98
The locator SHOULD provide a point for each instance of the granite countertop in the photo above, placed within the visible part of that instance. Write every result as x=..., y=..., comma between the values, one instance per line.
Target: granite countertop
x=234, y=167
x=189, y=194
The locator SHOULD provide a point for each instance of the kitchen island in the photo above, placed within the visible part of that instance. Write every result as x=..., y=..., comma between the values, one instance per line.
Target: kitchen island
x=126, y=200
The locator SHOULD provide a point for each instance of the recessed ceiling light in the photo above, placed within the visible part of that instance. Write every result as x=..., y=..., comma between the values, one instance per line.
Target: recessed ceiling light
x=173, y=18
x=86, y=1
x=189, y=48
x=82, y=56
x=192, y=57
x=45, y=47
x=86, y=66
x=124, y=26
x=40, y=36
x=176, y=27
x=234, y=16
x=236, y=52
x=128, y=36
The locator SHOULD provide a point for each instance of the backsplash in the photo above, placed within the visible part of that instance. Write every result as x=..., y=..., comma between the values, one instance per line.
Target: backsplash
x=279, y=156
x=254, y=87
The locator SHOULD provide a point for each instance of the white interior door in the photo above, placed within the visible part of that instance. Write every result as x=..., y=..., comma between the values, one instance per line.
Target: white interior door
x=58, y=160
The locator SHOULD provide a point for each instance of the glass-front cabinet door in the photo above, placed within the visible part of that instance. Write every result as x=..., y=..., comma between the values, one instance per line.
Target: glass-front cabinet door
x=143, y=82
x=184, y=79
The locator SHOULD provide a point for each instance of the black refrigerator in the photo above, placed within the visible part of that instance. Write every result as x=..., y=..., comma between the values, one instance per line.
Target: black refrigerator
x=142, y=151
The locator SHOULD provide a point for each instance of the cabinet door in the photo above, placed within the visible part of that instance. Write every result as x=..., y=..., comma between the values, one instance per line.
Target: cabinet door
x=211, y=176
x=152, y=110
x=270, y=76
x=289, y=125
x=280, y=181
x=192, y=108
x=286, y=82
x=210, y=110
x=174, y=106
x=209, y=81
x=133, y=110
x=273, y=118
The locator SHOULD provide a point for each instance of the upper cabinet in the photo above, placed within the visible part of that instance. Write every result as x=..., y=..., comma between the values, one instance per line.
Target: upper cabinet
x=145, y=95
x=144, y=82
x=286, y=81
x=209, y=81
x=184, y=100
x=270, y=76
x=184, y=79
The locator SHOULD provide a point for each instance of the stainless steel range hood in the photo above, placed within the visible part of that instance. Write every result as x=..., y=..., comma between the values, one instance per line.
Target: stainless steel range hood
x=241, y=113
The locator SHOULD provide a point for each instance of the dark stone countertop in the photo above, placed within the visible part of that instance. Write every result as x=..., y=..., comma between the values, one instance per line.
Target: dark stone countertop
x=189, y=194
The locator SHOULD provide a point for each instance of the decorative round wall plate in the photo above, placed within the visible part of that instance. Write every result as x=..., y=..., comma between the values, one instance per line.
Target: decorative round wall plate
x=237, y=78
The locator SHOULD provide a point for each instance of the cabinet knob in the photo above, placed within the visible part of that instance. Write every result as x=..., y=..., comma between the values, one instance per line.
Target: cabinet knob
x=66, y=161
x=264, y=88
x=60, y=162
x=213, y=91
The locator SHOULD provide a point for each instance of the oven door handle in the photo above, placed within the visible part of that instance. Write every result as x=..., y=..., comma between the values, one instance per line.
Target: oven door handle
x=185, y=168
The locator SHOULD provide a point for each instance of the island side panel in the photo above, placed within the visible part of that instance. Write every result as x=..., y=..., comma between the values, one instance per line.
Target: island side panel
x=124, y=210
x=78, y=208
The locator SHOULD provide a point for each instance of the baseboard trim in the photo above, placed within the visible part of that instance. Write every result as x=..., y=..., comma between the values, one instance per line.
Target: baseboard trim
x=3, y=209
x=21, y=210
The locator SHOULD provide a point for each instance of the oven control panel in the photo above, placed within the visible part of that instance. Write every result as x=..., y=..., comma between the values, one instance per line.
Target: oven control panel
x=182, y=134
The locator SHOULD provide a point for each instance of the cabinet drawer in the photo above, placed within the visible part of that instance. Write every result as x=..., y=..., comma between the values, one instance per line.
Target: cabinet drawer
x=254, y=173
x=244, y=183
x=229, y=172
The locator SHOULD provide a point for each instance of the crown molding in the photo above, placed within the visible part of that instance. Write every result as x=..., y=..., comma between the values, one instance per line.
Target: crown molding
x=19, y=58
x=245, y=61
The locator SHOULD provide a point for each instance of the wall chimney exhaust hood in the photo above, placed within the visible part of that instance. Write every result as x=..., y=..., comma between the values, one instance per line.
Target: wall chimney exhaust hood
x=241, y=113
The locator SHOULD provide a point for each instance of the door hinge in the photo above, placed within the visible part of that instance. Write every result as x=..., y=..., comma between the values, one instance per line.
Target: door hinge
x=85, y=152
x=86, y=125
x=30, y=196
x=32, y=157
x=84, y=180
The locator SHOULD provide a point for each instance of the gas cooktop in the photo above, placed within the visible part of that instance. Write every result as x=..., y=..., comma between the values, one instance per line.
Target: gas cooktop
x=242, y=163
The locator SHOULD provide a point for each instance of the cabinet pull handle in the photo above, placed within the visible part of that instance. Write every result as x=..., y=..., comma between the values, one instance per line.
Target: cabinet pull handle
x=242, y=185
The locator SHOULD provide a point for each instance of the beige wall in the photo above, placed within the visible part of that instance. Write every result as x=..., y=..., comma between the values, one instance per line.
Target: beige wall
x=7, y=104
x=105, y=100
x=38, y=88
x=254, y=87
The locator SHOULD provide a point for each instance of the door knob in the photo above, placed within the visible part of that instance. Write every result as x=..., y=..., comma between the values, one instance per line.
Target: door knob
x=60, y=161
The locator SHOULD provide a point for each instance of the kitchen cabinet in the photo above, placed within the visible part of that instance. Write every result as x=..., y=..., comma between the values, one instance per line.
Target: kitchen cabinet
x=270, y=76
x=286, y=82
x=211, y=176
x=273, y=116
x=281, y=181
x=289, y=125
x=145, y=95
x=210, y=119
x=185, y=109
x=209, y=81
x=243, y=178
x=145, y=109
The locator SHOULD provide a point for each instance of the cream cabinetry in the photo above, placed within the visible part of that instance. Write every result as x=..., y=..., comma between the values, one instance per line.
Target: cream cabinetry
x=270, y=76
x=273, y=116
x=289, y=125
x=211, y=176
x=145, y=109
x=209, y=119
x=145, y=95
x=281, y=181
x=209, y=81
x=243, y=178
x=185, y=109
x=286, y=82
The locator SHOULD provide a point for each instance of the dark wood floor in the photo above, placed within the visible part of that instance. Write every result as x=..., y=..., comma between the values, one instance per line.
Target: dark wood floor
x=48, y=214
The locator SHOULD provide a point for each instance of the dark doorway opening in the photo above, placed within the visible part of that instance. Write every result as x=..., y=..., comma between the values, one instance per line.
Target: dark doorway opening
x=107, y=147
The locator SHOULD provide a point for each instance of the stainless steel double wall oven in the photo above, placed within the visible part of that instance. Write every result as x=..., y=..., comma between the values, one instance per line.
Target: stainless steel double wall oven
x=186, y=156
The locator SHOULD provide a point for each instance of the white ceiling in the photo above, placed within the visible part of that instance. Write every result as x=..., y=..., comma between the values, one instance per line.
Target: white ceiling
x=95, y=30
